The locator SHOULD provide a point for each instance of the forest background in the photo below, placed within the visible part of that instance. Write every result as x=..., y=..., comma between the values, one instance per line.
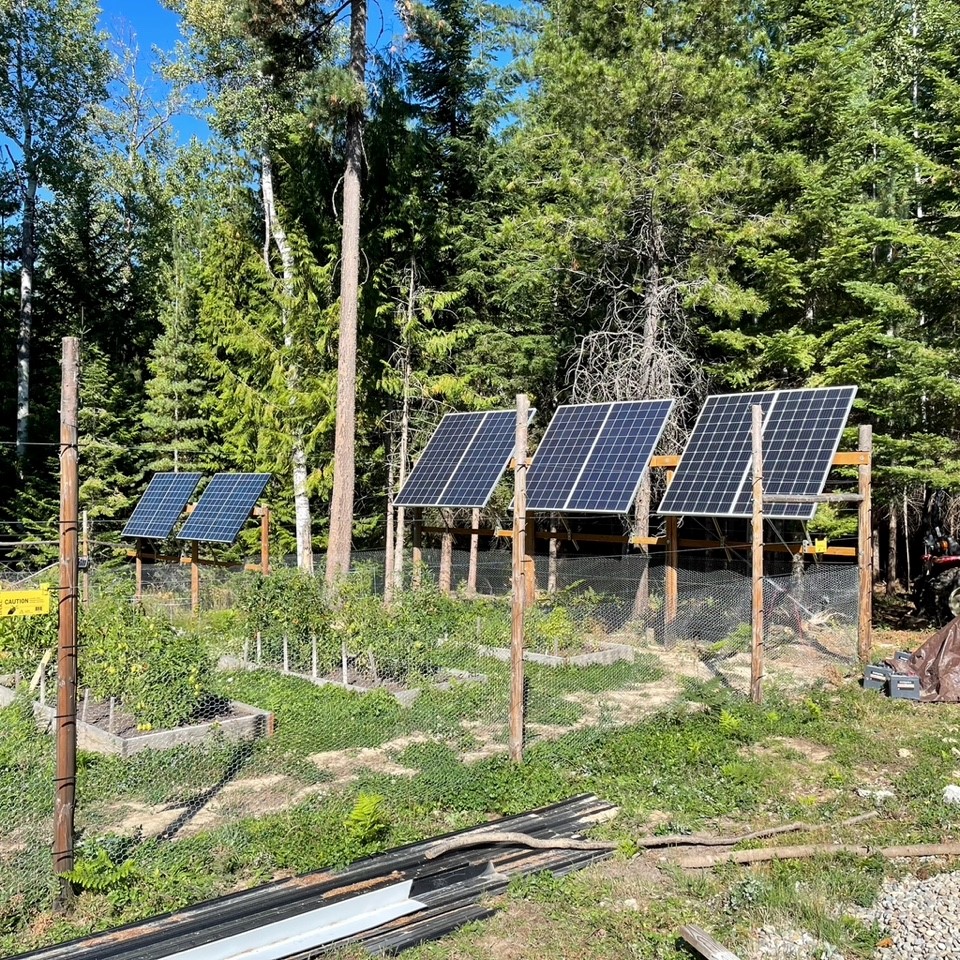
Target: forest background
x=575, y=199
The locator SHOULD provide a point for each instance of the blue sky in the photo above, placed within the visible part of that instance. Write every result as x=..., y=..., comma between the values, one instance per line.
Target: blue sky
x=155, y=26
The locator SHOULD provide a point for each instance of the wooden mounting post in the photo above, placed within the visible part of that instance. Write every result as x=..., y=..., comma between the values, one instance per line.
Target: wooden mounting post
x=865, y=547
x=264, y=513
x=519, y=593
x=138, y=567
x=474, y=553
x=194, y=576
x=65, y=781
x=529, y=559
x=445, y=578
x=85, y=580
x=670, y=580
x=756, y=658
x=417, y=538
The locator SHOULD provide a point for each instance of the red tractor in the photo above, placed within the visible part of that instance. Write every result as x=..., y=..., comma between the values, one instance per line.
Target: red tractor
x=936, y=592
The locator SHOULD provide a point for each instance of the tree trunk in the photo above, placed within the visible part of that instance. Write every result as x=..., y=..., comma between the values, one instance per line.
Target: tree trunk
x=28, y=253
x=892, y=581
x=298, y=457
x=445, y=578
x=344, y=468
x=388, y=561
x=641, y=600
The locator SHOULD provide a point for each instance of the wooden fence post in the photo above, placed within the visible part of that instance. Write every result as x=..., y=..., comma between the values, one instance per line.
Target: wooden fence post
x=445, y=578
x=756, y=657
x=65, y=781
x=519, y=594
x=865, y=547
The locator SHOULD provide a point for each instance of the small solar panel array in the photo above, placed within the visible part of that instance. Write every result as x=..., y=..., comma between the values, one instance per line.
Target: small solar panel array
x=224, y=506
x=593, y=456
x=801, y=433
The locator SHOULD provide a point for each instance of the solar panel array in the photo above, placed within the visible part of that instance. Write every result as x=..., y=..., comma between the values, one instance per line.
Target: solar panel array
x=593, y=456
x=801, y=433
x=160, y=506
x=224, y=506
x=463, y=461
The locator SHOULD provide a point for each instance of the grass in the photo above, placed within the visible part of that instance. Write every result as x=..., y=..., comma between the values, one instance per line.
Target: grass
x=713, y=763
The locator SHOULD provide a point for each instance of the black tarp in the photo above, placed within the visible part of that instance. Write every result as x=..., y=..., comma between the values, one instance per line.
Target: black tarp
x=937, y=664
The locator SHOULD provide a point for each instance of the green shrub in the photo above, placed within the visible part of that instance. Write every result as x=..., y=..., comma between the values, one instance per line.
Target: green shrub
x=400, y=640
x=159, y=673
x=291, y=605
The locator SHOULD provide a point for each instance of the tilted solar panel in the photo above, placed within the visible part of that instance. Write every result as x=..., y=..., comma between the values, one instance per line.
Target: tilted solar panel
x=717, y=458
x=160, y=506
x=462, y=462
x=593, y=456
x=801, y=433
x=800, y=439
x=224, y=507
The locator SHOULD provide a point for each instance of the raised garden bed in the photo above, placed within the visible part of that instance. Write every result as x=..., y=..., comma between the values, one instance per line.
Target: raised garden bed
x=360, y=682
x=231, y=720
x=607, y=653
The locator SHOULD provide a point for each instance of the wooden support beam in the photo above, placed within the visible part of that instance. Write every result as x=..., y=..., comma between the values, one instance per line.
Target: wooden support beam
x=851, y=458
x=703, y=945
x=812, y=498
x=671, y=582
x=756, y=652
x=667, y=461
x=194, y=576
x=530, y=561
x=263, y=513
x=865, y=548
x=138, y=565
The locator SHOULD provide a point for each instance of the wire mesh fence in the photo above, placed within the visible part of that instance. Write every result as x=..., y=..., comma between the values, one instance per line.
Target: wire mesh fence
x=199, y=735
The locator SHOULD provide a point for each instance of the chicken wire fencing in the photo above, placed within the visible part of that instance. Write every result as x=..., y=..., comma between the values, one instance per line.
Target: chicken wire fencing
x=209, y=742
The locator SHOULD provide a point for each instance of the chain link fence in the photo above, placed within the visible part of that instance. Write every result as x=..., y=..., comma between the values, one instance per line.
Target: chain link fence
x=207, y=740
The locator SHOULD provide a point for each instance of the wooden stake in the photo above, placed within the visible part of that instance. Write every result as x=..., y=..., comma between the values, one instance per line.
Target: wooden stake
x=195, y=576
x=445, y=580
x=65, y=781
x=519, y=598
x=85, y=581
x=417, y=536
x=138, y=566
x=474, y=554
x=756, y=657
x=865, y=547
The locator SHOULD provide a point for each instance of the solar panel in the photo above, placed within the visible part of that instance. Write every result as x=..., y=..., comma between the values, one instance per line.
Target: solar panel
x=223, y=507
x=593, y=456
x=463, y=461
x=160, y=506
x=799, y=443
x=801, y=433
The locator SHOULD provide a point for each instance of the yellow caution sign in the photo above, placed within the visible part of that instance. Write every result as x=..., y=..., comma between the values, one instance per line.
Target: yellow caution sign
x=24, y=603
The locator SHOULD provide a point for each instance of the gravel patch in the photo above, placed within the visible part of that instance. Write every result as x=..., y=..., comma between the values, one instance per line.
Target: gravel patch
x=773, y=944
x=920, y=917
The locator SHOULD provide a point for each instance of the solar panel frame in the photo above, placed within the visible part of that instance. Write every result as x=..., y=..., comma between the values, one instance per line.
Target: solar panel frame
x=462, y=462
x=593, y=456
x=224, y=506
x=160, y=507
x=802, y=429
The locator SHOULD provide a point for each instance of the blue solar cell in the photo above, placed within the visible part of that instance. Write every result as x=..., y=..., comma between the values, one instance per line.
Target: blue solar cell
x=593, y=456
x=160, y=506
x=224, y=507
x=463, y=461
x=801, y=433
